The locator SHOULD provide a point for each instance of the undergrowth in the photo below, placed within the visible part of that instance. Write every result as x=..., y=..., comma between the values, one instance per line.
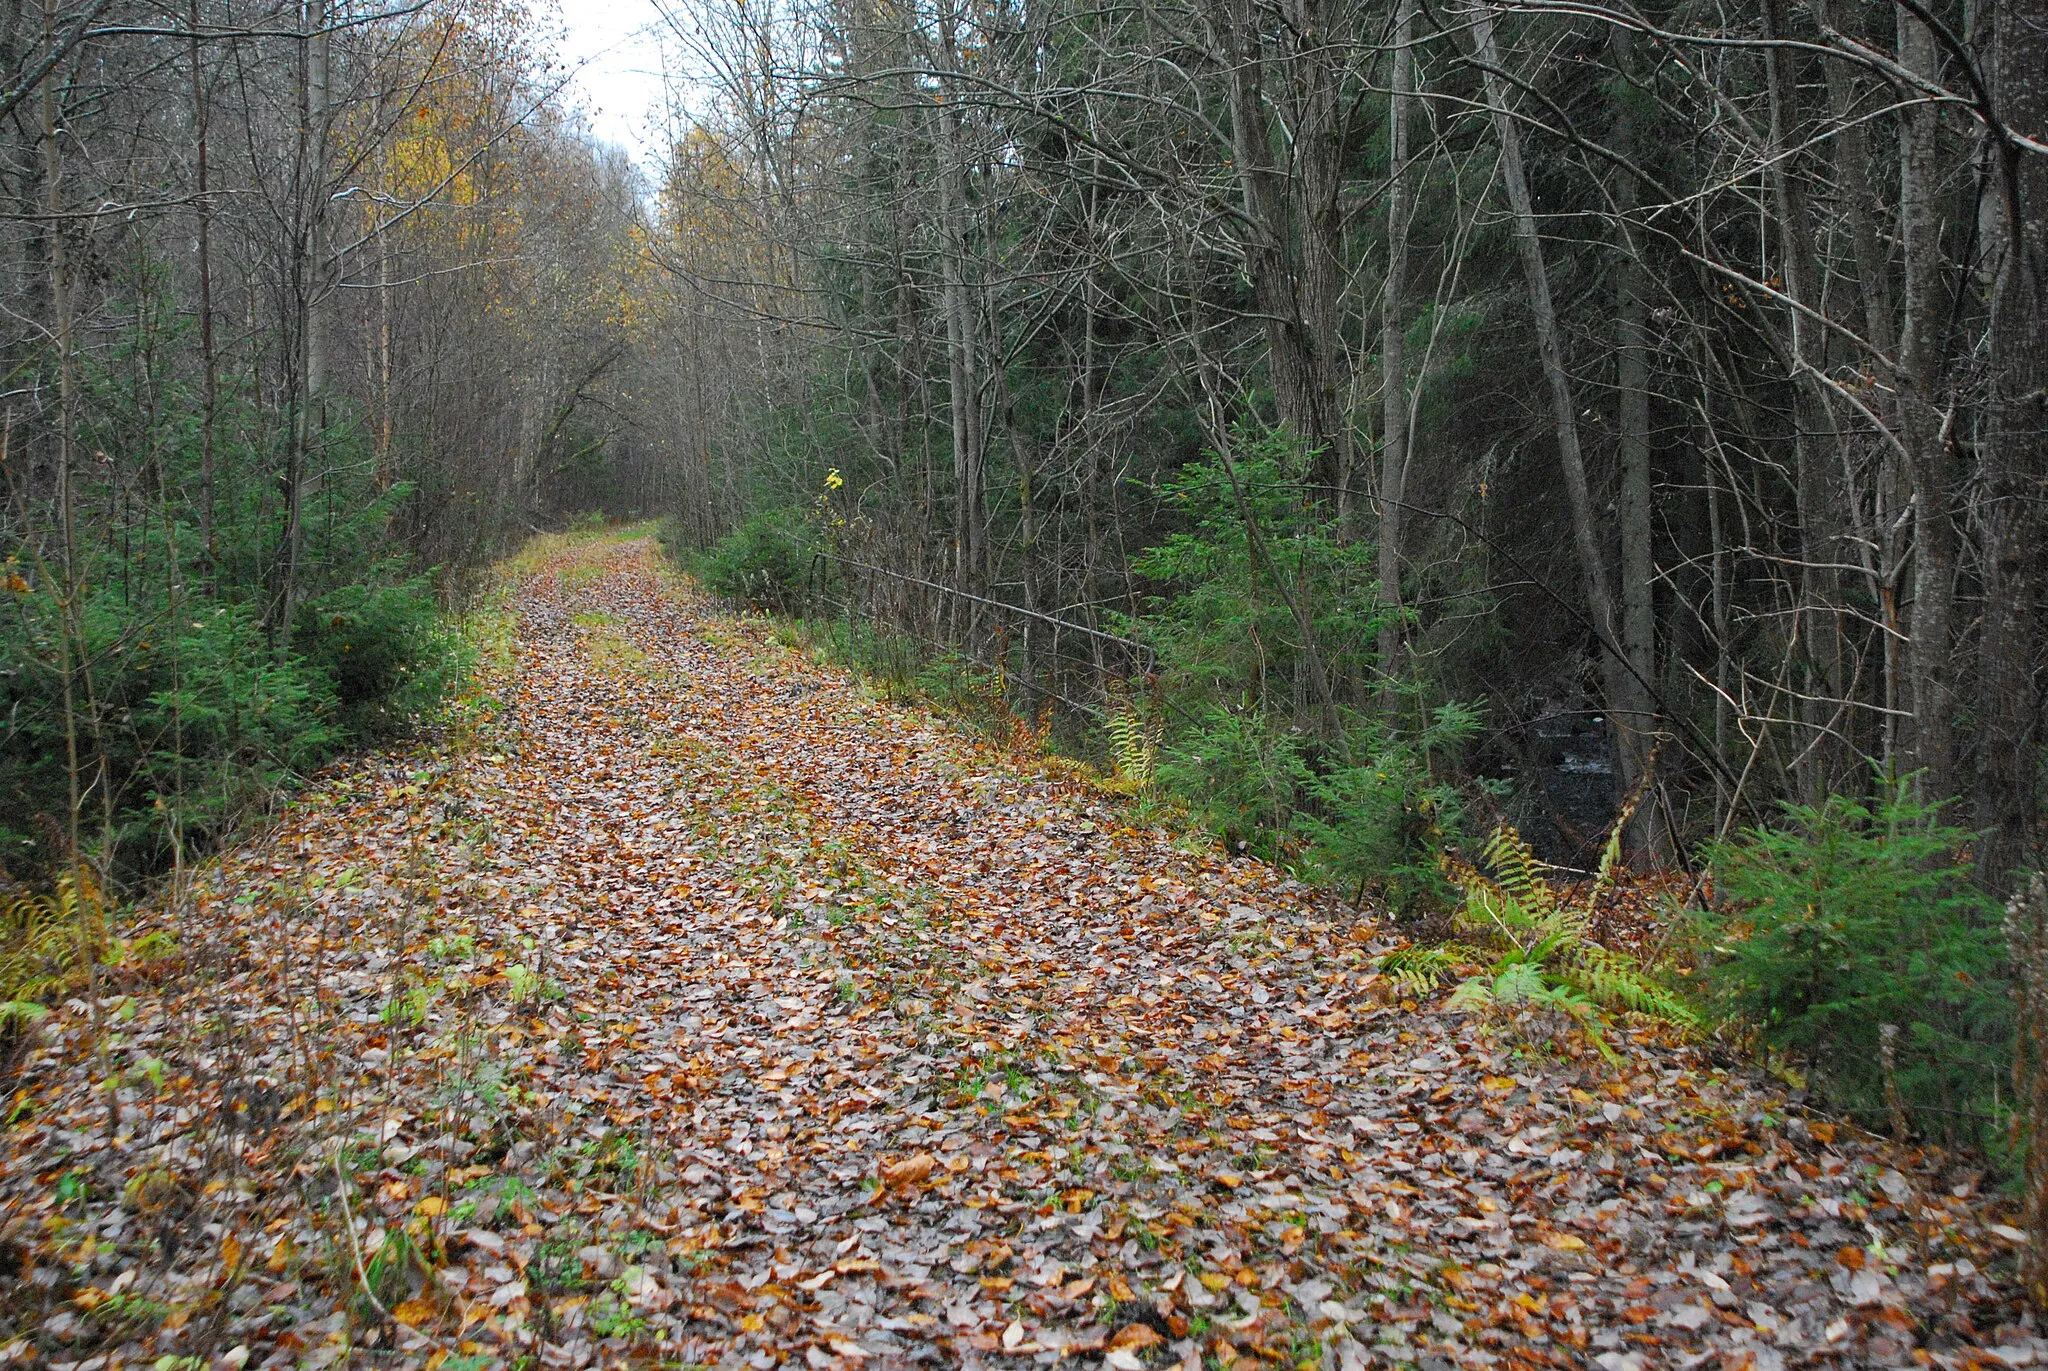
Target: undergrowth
x=1520, y=946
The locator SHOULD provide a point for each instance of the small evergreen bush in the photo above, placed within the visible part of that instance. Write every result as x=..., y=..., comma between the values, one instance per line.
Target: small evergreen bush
x=766, y=563
x=1384, y=821
x=385, y=653
x=1238, y=772
x=1247, y=746
x=1849, y=917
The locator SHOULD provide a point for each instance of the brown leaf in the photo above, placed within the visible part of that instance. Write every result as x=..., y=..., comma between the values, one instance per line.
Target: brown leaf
x=910, y=1170
x=1135, y=1336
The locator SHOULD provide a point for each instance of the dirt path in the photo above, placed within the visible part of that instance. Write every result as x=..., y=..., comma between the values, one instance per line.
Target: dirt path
x=696, y=1006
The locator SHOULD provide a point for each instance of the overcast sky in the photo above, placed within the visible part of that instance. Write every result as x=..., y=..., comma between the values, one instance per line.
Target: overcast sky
x=619, y=84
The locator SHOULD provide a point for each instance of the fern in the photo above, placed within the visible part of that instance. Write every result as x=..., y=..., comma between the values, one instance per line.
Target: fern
x=48, y=940
x=16, y=1014
x=1420, y=970
x=1537, y=950
x=1614, y=980
x=1520, y=874
x=1133, y=745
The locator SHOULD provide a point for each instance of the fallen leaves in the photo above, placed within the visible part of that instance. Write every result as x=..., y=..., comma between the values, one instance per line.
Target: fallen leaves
x=908, y=1172
x=691, y=998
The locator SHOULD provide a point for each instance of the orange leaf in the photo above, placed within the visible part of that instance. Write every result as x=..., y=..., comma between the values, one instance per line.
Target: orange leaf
x=1135, y=1336
x=414, y=1312
x=909, y=1171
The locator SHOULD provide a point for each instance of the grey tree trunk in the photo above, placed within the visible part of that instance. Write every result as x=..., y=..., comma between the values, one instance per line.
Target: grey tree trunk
x=1923, y=427
x=1636, y=725
x=963, y=331
x=2015, y=469
x=1393, y=359
x=1586, y=535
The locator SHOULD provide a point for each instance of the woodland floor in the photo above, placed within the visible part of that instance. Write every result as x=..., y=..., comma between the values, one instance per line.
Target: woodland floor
x=693, y=1004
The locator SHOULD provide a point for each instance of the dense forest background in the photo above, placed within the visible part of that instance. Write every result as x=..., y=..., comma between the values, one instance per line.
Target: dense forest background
x=1561, y=402
x=1359, y=425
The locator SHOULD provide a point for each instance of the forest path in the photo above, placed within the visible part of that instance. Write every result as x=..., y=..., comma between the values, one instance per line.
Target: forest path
x=697, y=1005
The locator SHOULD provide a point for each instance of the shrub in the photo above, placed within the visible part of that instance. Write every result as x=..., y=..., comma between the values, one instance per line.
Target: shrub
x=1227, y=629
x=1238, y=773
x=765, y=563
x=1385, y=821
x=1850, y=918
x=1520, y=946
x=1250, y=751
x=385, y=652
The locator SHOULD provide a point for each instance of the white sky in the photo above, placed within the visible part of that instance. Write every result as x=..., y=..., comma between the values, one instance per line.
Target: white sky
x=614, y=48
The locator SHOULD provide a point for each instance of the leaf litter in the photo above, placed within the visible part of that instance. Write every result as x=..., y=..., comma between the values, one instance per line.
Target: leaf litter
x=690, y=1005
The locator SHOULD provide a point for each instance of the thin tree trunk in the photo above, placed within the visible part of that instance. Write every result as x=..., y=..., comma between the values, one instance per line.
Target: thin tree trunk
x=1815, y=637
x=209, y=357
x=962, y=338
x=1393, y=360
x=1924, y=429
x=2015, y=466
x=1291, y=266
x=1586, y=538
x=1635, y=711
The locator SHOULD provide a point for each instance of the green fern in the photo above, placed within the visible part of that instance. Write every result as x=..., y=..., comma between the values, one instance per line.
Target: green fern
x=1538, y=950
x=1133, y=745
x=1616, y=981
x=48, y=940
x=1419, y=970
x=1519, y=874
x=21, y=1013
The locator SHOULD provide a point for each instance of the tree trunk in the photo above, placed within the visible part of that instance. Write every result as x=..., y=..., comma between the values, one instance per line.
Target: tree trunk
x=962, y=339
x=1289, y=222
x=2015, y=461
x=209, y=355
x=1586, y=536
x=1635, y=712
x=1924, y=430
x=308, y=300
x=1393, y=359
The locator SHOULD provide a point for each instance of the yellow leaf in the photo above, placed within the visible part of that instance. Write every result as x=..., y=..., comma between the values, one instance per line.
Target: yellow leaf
x=432, y=1207
x=1135, y=1336
x=1565, y=1242
x=231, y=1254
x=414, y=1312
x=752, y=1323
x=1229, y=1178
x=1215, y=1280
x=1499, y=1085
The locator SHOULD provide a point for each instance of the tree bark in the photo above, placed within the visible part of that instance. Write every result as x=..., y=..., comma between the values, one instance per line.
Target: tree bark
x=1924, y=428
x=1393, y=359
x=2015, y=461
x=1586, y=534
x=1635, y=722
x=963, y=333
